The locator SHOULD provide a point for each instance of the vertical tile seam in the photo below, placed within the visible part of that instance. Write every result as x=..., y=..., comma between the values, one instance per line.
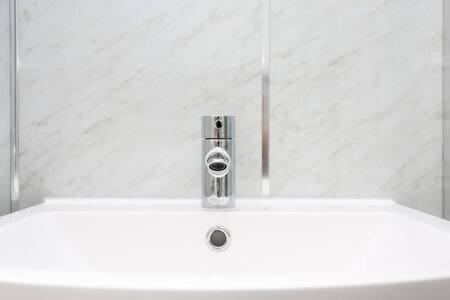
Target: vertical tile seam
x=444, y=116
x=265, y=99
x=14, y=108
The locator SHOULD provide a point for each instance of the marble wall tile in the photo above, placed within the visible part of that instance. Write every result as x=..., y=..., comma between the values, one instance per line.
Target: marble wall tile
x=4, y=107
x=112, y=93
x=111, y=105
x=356, y=93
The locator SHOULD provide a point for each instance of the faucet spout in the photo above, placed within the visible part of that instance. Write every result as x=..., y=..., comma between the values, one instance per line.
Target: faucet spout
x=218, y=162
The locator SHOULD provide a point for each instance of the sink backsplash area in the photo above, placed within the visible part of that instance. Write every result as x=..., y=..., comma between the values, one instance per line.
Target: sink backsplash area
x=356, y=100
x=136, y=89
x=110, y=105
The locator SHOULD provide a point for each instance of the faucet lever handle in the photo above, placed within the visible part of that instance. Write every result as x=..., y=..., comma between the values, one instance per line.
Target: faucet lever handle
x=218, y=127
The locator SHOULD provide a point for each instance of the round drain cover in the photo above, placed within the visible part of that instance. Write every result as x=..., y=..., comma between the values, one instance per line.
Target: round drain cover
x=218, y=238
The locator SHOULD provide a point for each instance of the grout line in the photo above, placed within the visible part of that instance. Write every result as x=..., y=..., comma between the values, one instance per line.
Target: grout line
x=444, y=106
x=14, y=108
x=265, y=89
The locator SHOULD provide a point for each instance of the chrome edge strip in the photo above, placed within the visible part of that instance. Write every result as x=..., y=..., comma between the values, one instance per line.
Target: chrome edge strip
x=445, y=108
x=14, y=108
x=444, y=113
x=265, y=87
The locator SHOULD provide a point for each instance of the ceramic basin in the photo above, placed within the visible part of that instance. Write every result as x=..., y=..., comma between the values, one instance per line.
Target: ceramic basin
x=279, y=249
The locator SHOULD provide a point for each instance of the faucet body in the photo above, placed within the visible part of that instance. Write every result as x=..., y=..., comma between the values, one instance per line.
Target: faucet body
x=218, y=162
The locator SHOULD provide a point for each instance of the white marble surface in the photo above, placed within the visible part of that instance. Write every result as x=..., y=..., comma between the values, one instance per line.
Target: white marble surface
x=4, y=106
x=112, y=93
x=111, y=105
x=357, y=100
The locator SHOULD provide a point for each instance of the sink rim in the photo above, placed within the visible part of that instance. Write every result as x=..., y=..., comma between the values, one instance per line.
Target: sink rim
x=272, y=205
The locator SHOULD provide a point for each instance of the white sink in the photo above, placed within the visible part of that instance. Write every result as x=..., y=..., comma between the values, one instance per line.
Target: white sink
x=280, y=249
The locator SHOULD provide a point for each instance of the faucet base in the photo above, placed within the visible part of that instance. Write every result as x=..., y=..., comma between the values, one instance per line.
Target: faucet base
x=214, y=202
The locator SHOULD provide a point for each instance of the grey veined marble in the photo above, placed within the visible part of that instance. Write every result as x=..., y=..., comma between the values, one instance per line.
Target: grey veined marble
x=357, y=100
x=112, y=93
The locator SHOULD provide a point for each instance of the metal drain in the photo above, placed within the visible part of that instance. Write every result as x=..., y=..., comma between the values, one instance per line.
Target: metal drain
x=218, y=238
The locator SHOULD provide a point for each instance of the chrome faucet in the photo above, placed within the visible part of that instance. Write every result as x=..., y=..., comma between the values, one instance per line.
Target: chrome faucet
x=218, y=162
